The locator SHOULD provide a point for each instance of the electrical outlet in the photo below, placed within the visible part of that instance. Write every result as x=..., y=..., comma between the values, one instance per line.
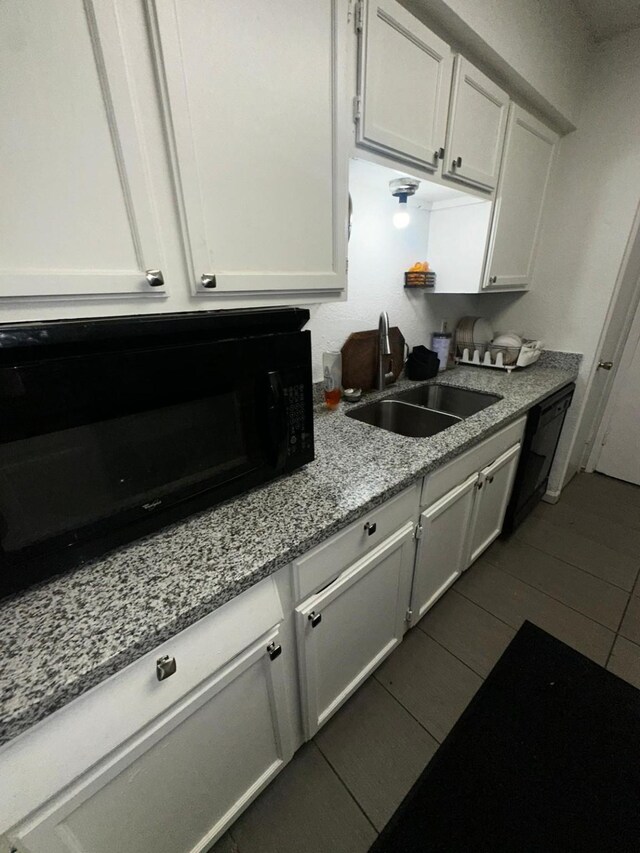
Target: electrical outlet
x=445, y=325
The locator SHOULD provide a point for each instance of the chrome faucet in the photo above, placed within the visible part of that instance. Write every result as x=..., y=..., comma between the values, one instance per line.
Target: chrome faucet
x=384, y=375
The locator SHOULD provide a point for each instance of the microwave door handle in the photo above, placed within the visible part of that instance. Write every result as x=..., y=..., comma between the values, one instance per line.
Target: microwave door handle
x=277, y=420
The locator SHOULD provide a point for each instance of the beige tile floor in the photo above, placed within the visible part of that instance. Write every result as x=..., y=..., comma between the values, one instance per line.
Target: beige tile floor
x=571, y=568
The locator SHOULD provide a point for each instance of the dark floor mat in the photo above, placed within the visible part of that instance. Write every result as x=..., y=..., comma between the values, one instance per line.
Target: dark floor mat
x=545, y=758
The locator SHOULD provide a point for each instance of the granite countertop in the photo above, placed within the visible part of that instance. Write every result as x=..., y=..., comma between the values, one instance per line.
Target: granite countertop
x=71, y=632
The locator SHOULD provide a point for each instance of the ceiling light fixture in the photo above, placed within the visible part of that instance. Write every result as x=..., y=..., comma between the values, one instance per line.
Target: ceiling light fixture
x=402, y=188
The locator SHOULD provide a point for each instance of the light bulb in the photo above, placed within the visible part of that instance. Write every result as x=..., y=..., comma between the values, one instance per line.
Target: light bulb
x=402, y=218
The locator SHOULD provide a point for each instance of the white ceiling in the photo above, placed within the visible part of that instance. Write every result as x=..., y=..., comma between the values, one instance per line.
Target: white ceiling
x=607, y=18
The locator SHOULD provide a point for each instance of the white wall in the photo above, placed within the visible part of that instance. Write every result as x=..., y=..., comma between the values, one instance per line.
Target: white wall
x=539, y=46
x=590, y=211
x=379, y=254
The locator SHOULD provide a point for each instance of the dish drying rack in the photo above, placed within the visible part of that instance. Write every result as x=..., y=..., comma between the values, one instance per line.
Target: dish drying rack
x=500, y=357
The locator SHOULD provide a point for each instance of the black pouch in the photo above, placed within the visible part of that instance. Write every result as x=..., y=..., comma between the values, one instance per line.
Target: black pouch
x=422, y=363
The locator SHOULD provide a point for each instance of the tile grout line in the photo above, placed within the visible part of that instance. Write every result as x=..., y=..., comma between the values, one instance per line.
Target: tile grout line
x=618, y=634
x=344, y=785
x=567, y=527
x=573, y=505
x=531, y=619
x=552, y=597
x=404, y=708
x=576, y=566
x=482, y=607
x=236, y=846
x=452, y=653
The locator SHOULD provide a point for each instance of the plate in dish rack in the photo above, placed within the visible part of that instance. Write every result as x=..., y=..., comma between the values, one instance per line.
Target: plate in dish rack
x=482, y=331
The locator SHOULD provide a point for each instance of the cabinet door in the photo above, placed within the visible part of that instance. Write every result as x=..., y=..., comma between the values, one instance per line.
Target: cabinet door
x=256, y=110
x=177, y=786
x=404, y=84
x=77, y=215
x=442, y=547
x=477, y=123
x=524, y=177
x=346, y=630
x=494, y=489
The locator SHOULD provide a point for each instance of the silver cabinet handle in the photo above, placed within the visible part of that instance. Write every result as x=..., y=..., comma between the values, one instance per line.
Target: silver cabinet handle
x=208, y=281
x=274, y=650
x=165, y=667
x=155, y=278
x=371, y=528
x=605, y=365
x=314, y=618
x=493, y=279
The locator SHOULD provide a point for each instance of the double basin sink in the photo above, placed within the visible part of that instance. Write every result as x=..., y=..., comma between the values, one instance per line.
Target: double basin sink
x=423, y=411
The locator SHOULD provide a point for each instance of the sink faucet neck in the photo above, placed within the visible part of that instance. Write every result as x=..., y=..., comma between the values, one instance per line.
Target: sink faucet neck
x=384, y=374
x=383, y=334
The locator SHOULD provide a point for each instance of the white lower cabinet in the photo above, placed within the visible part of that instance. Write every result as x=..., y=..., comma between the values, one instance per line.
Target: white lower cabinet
x=493, y=491
x=464, y=507
x=177, y=785
x=346, y=629
x=442, y=546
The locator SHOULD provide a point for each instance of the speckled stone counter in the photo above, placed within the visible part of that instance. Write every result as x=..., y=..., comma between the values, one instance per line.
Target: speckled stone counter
x=70, y=633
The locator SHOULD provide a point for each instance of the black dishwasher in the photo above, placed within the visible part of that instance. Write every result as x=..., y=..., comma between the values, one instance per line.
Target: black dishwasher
x=539, y=444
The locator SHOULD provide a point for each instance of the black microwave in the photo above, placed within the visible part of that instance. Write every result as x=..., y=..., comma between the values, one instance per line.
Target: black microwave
x=112, y=428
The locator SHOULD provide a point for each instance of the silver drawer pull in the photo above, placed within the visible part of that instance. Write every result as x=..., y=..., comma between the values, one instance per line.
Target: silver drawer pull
x=154, y=278
x=370, y=528
x=165, y=667
x=274, y=650
x=314, y=618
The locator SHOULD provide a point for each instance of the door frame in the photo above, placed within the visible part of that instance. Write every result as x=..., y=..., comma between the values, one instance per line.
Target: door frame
x=616, y=386
x=625, y=302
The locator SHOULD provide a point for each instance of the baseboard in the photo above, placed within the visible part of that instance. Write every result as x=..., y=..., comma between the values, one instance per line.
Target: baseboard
x=551, y=497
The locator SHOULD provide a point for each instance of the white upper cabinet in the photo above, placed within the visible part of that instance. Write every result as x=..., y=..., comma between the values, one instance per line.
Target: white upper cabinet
x=403, y=87
x=526, y=165
x=257, y=113
x=77, y=215
x=477, y=122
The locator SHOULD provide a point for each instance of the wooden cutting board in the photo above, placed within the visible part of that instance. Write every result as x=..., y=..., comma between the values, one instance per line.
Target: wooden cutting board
x=360, y=358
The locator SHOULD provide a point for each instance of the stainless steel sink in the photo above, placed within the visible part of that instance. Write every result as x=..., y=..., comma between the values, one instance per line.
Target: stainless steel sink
x=443, y=398
x=404, y=418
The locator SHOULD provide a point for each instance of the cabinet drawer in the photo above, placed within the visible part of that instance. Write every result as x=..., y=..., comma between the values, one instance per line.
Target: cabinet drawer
x=215, y=751
x=444, y=479
x=93, y=725
x=325, y=562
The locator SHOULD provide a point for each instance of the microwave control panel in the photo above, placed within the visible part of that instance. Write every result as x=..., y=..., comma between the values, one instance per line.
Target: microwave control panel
x=299, y=414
